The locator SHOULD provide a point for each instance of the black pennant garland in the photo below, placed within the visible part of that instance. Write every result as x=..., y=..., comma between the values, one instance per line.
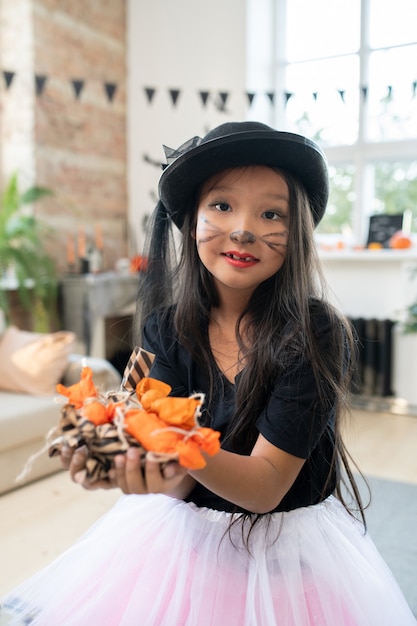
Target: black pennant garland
x=174, y=94
x=40, y=81
x=78, y=86
x=8, y=78
x=150, y=92
x=223, y=96
x=219, y=101
x=204, y=97
x=110, y=89
x=287, y=96
x=250, y=96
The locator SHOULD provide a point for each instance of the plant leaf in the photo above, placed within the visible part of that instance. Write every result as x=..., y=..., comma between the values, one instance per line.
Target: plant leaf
x=33, y=194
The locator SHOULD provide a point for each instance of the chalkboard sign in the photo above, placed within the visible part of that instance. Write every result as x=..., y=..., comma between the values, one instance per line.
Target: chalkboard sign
x=383, y=227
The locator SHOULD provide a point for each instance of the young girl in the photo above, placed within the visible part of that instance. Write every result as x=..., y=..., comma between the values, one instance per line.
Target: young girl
x=263, y=535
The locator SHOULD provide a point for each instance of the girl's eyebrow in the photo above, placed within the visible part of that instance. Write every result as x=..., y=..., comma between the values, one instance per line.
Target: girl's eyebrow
x=273, y=196
x=217, y=188
x=278, y=196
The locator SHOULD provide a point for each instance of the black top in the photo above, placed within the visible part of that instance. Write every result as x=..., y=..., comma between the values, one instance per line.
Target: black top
x=293, y=419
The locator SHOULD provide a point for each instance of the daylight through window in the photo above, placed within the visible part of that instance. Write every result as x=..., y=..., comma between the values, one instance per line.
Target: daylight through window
x=344, y=72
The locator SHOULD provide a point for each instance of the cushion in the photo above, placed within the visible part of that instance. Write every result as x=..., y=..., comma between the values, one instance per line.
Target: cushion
x=33, y=363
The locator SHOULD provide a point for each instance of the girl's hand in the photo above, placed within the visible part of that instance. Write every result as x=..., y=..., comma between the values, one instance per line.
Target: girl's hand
x=75, y=462
x=130, y=477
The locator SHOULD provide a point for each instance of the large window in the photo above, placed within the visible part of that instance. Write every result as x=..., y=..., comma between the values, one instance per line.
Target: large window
x=344, y=72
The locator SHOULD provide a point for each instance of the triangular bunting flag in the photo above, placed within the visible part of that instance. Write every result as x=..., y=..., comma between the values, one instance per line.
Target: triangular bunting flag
x=364, y=92
x=40, y=82
x=315, y=95
x=150, y=92
x=78, y=86
x=287, y=96
x=250, y=96
x=174, y=93
x=110, y=89
x=414, y=88
x=8, y=77
x=221, y=104
x=389, y=92
x=271, y=96
x=341, y=93
x=204, y=97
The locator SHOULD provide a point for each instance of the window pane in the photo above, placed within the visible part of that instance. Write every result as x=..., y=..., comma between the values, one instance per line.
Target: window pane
x=322, y=28
x=325, y=99
x=392, y=95
x=338, y=216
x=392, y=22
x=396, y=189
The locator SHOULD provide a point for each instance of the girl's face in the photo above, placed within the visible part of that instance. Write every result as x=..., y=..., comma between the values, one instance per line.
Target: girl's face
x=242, y=227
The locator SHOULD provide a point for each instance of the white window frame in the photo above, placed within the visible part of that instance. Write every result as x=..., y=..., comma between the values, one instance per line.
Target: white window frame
x=266, y=64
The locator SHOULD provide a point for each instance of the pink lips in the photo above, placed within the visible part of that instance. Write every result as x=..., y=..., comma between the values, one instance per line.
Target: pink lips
x=240, y=259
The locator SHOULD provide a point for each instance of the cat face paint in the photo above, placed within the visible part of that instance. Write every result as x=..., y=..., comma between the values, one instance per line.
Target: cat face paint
x=243, y=236
x=242, y=226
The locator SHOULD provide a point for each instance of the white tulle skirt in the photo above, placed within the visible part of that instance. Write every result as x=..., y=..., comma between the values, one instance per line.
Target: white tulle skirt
x=156, y=561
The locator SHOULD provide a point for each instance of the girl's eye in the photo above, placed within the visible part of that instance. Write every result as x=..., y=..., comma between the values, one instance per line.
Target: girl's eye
x=271, y=215
x=222, y=206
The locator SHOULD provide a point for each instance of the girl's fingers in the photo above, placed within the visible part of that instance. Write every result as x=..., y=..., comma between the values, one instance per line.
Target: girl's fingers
x=128, y=472
x=77, y=463
x=66, y=454
x=131, y=477
x=163, y=478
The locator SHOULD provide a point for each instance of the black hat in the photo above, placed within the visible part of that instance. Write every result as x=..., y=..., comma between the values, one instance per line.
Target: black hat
x=236, y=144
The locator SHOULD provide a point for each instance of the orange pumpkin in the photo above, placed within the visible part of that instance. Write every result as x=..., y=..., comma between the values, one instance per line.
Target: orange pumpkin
x=400, y=241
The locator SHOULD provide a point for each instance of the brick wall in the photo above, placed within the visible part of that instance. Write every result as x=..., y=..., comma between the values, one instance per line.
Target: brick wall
x=76, y=145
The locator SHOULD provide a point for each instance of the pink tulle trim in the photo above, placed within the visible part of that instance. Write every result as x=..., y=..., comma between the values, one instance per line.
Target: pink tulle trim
x=156, y=561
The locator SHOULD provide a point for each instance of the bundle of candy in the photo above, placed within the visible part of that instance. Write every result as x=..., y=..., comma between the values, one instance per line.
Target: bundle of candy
x=141, y=413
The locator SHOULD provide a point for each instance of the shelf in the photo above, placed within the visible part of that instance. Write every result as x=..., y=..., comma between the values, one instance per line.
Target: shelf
x=369, y=255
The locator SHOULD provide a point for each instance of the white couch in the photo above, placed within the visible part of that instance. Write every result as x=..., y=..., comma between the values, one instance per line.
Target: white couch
x=25, y=420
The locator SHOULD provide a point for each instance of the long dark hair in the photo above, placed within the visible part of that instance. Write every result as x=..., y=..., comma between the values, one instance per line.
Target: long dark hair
x=278, y=324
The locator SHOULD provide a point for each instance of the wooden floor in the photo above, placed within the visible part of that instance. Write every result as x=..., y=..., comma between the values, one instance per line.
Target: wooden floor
x=39, y=521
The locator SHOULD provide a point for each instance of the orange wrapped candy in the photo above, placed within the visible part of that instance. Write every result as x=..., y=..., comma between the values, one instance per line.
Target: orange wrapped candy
x=168, y=426
x=78, y=393
x=165, y=427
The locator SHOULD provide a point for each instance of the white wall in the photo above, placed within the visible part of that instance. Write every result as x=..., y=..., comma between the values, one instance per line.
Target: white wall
x=376, y=283
x=190, y=45
x=17, y=109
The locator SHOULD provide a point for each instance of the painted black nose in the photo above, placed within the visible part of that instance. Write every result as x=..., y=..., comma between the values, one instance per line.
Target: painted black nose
x=243, y=236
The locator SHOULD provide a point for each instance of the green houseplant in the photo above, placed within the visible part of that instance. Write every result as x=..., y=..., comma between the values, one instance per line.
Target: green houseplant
x=409, y=324
x=23, y=263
